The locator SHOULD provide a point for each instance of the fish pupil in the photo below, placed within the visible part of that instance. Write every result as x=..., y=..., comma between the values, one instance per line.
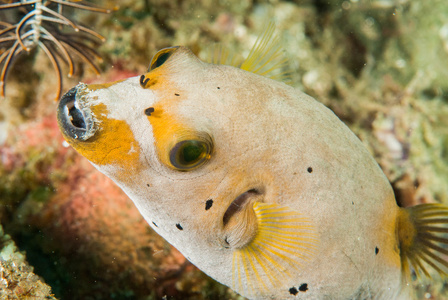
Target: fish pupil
x=161, y=59
x=188, y=154
x=191, y=152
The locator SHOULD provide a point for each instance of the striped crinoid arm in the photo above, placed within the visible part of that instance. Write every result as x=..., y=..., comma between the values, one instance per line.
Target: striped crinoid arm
x=6, y=59
x=85, y=6
x=7, y=33
x=58, y=17
x=77, y=27
x=60, y=37
x=56, y=67
x=83, y=45
x=16, y=4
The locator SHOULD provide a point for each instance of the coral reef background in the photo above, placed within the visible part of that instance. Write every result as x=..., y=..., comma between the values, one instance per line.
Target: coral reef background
x=381, y=65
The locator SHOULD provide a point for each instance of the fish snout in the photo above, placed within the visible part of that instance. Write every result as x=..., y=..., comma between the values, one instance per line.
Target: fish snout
x=75, y=120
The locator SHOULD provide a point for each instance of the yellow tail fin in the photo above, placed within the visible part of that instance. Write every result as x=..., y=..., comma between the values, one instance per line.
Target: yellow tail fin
x=422, y=231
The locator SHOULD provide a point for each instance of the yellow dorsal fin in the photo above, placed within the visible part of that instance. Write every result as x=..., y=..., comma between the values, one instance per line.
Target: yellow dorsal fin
x=219, y=55
x=283, y=242
x=422, y=238
x=265, y=57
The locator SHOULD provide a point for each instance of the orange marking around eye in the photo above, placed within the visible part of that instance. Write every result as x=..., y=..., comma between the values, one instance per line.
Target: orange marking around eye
x=112, y=144
x=150, y=79
x=167, y=131
x=168, y=128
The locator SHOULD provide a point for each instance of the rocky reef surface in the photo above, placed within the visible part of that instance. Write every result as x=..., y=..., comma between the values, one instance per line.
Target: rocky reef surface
x=17, y=280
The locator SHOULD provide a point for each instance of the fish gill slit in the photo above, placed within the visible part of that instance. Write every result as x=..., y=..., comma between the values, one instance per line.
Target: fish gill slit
x=238, y=204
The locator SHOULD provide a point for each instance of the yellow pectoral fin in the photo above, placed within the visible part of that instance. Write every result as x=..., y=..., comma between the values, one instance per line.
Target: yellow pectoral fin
x=422, y=239
x=283, y=242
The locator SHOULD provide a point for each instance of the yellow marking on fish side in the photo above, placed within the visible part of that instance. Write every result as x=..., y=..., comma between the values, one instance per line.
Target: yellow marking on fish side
x=277, y=257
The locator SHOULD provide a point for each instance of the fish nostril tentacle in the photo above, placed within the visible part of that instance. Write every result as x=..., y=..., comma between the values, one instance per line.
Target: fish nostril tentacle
x=75, y=120
x=76, y=117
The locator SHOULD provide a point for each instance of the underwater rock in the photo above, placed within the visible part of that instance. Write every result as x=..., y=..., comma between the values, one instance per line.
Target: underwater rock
x=17, y=280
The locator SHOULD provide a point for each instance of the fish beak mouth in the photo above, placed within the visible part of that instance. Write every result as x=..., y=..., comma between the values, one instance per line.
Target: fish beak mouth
x=74, y=119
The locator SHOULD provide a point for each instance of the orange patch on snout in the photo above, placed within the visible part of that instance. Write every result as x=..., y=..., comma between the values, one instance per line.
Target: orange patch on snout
x=113, y=143
x=95, y=86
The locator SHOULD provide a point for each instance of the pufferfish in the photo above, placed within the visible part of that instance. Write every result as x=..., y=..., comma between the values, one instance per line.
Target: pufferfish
x=256, y=183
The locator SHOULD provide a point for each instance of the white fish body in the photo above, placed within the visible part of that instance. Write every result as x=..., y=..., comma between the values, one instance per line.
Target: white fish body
x=259, y=185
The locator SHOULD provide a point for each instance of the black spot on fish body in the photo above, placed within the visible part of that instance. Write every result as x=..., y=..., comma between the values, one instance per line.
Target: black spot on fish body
x=218, y=88
x=208, y=204
x=227, y=245
x=143, y=81
x=377, y=250
x=155, y=224
x=303, y=287
x=353, y=203
x=293, y=291
x=176, y=94
x=148, y=185
x=310, y=170
x=179, y=227
x=149, y=111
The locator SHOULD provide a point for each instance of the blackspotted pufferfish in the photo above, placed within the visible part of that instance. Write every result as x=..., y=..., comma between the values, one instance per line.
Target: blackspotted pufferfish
x=256, y=183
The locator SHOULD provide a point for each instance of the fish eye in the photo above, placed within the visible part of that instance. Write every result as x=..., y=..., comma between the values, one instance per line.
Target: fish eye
x=189, y=154
x=161, y=57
